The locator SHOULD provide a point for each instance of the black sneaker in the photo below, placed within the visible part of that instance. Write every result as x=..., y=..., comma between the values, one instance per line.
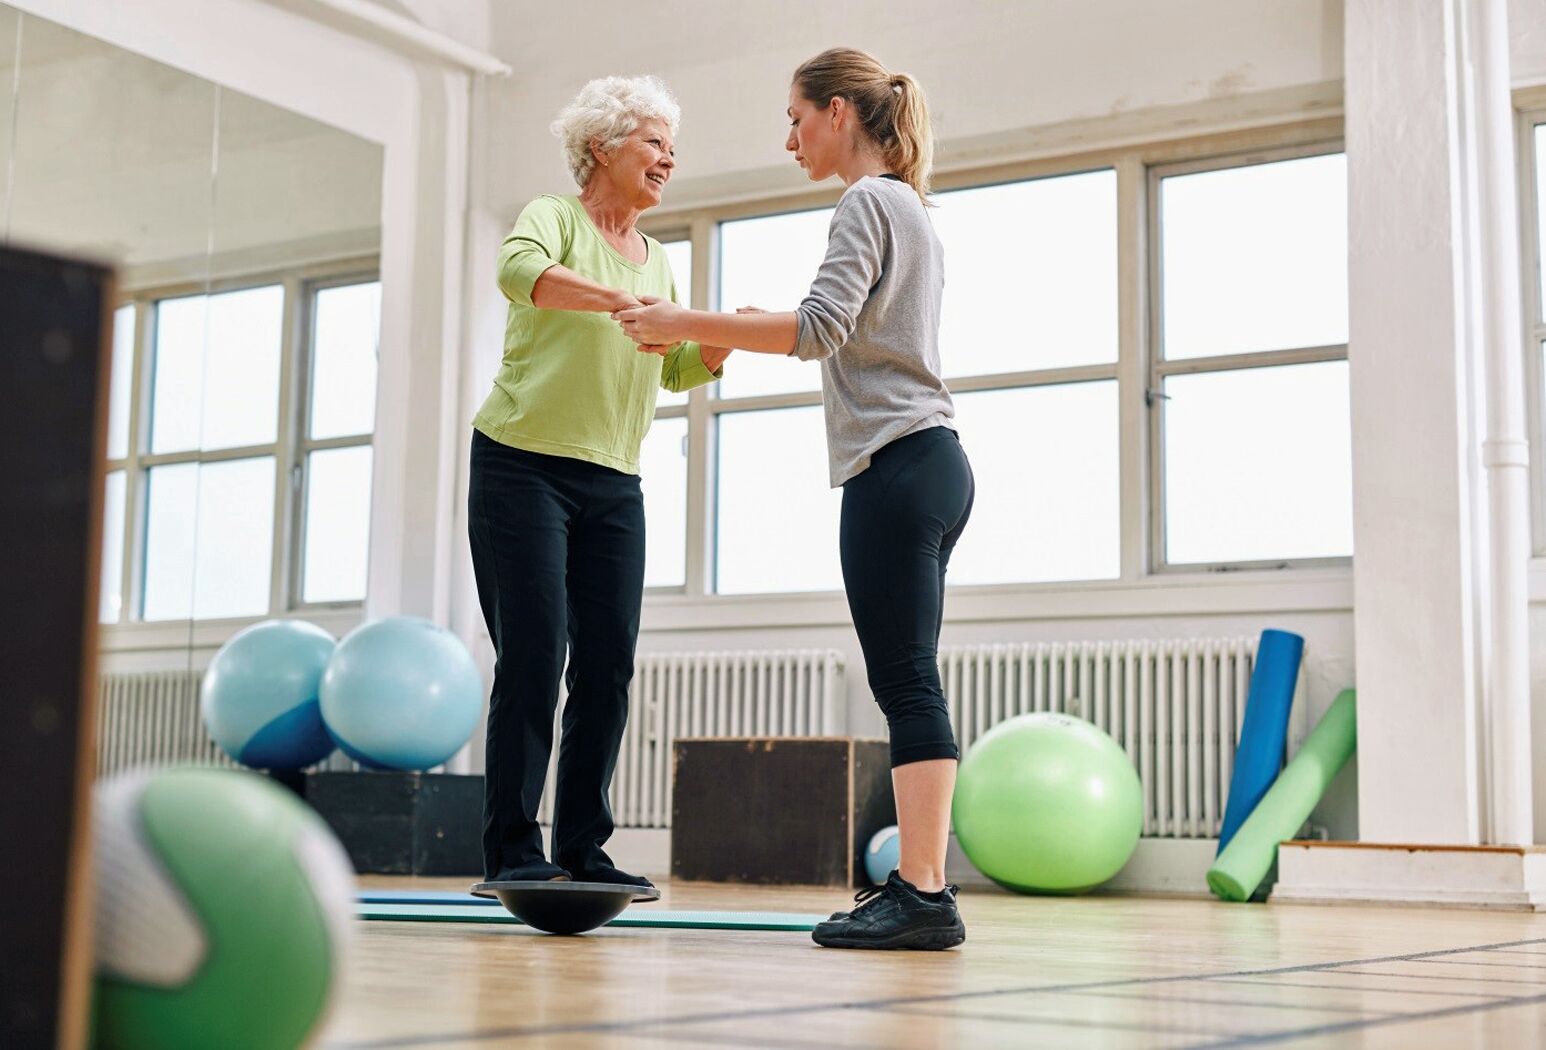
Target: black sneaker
x=613, y=877
x=895, y=915
x=532, y=871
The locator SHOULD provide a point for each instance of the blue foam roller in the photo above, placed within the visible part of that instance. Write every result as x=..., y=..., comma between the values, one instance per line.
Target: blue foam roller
x=1264, y=737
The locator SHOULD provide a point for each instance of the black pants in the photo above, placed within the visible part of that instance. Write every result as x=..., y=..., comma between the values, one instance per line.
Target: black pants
x=901, y=520
x=558, y=552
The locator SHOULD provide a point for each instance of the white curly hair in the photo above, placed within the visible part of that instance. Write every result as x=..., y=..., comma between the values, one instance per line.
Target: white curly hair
x=607, y=110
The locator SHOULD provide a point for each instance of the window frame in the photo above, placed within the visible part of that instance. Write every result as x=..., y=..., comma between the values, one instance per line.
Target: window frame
x=1159, y=368
x=289, y=448
x=1306, y=583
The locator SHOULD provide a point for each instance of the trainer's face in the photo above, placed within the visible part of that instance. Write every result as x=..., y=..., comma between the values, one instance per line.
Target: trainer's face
x=815, y=136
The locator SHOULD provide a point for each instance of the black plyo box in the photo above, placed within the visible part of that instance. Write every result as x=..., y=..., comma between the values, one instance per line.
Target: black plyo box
x=778, y=810
x=403, y=823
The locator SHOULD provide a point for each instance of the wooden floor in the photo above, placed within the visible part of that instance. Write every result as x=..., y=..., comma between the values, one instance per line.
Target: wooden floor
x=1043, y=972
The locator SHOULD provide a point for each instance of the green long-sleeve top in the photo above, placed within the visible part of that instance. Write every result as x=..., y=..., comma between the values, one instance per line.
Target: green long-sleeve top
x=571, y=383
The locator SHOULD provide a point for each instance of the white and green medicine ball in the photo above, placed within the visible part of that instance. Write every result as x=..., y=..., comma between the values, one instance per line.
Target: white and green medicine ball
x=222, y=917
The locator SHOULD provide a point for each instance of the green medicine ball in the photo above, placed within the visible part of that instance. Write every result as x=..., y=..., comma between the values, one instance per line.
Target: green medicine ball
x=223, y=909
x=1047, y=803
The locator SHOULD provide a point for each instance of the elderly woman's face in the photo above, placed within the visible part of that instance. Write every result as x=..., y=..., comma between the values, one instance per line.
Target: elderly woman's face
x=814, y=141
x=640, y=168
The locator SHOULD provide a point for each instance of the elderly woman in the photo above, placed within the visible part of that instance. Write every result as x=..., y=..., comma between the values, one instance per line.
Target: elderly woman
x=555, y=511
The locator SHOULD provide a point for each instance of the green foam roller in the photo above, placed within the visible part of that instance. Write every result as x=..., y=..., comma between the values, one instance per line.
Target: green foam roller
x=1244, y=863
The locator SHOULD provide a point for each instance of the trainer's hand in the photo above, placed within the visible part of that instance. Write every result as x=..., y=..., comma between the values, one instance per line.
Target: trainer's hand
x=750, y=310
x=655, y=323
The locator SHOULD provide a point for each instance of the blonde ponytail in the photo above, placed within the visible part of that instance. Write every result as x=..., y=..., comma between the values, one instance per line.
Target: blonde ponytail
x=890, y=107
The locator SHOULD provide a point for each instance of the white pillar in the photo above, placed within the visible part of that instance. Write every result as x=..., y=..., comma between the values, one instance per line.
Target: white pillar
x=1434, y=318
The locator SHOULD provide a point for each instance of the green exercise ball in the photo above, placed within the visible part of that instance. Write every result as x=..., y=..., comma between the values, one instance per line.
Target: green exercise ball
x=1047, y=803
x=222, y=916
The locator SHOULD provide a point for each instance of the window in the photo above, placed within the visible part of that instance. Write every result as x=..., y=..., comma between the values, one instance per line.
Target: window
x=207, y=458
x=1148, y=357
x=777, y=520
x=1028, y=343
x=768, y=262
x=679, y=255
x=663, y=471
x=1251, y=429
x=336, y=449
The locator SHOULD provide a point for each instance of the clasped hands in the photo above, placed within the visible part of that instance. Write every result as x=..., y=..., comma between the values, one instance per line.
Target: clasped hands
x=656, y=324
x=651, y=324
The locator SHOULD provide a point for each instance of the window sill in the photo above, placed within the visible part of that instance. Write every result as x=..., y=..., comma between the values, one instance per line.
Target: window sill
x=171, y=635
x=1170, y=594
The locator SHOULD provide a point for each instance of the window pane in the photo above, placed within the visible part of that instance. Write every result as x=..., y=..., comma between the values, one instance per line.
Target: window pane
x=123, y=377
x=209, y=539
x=679, y=255
x=1258, y=465
x=217, y=370
x=1031, y=274
x=337, y=525
x=770, y=262
x=1540, y=210
x=777, y=528
x=663, y=466
x=111, y=606
x=1255, y=258
x=1046, y=465
x=345, y=331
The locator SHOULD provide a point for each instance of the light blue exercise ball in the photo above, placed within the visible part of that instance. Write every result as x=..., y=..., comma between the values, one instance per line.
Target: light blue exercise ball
x=401, y=693
x=259, y=699
x=883, y=855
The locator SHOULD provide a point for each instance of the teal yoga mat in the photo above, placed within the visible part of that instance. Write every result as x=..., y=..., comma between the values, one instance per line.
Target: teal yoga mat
x=456, y=897
x=649, y=917
x=1285, y=807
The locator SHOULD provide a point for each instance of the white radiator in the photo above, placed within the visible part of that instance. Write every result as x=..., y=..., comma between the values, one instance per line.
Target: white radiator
x=758, y=693
x=1175, y=706
x=152, y=719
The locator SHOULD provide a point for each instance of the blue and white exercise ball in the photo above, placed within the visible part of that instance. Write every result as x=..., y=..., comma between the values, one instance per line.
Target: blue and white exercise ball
x=260, y=695
x=401, y=693
x=883, y=855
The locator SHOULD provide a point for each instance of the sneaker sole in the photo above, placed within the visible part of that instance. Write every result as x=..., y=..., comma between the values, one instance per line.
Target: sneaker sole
x=934, y=940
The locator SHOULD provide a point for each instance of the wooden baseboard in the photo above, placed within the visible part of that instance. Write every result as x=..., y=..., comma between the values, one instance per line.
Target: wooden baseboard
x=1511, y=878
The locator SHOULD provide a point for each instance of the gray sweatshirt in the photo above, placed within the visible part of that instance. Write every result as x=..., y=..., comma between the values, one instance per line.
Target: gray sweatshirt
x=872, y=320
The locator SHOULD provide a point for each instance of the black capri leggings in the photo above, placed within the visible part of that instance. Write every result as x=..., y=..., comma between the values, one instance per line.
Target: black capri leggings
x=901, y=519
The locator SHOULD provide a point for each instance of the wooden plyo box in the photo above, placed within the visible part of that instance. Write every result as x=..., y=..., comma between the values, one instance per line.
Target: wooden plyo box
x=778, y=810
x=403, y=823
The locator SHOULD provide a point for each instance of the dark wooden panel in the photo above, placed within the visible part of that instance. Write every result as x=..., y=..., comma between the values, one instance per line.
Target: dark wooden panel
x=403, y=823
x=54, y=317
x=874, y=802
x=773, y=810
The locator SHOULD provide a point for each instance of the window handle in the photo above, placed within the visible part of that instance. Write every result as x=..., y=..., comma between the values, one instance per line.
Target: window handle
x=1152, y=395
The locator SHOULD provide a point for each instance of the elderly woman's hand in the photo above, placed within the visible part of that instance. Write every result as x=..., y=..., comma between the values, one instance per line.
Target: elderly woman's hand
x=654, y=323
